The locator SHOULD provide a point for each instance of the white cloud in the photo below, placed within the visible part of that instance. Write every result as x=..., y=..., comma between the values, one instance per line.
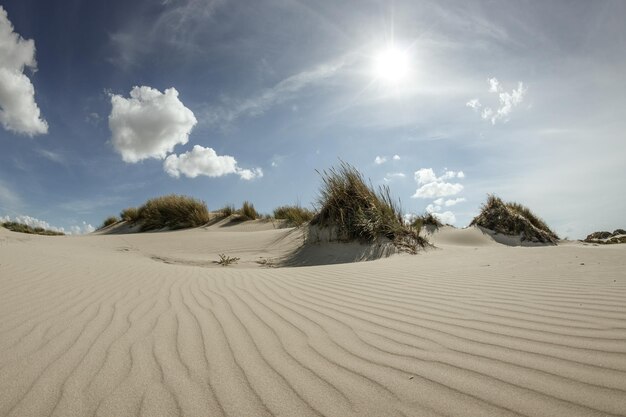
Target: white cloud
x=149, y=124
x=474, y=103
x=82, y=229
x=19, y=112
x=32, y=222
x=379, y=160
x=447, y=217
x=506, y=101
x=432, y=186
x=460, y=174
x=494, y=85
x=437, y=189
x=391, y=175
x=453, y=202
x=205, y=161
x=396, y=157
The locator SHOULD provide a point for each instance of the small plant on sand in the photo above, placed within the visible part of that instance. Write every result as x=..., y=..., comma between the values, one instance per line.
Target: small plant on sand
x=226, y=260
x=513, y=219
x=227, y=211
x=294, y=215
x=359, y=212
x=109, y=221
x=248, y=212
x=130, y=214
x=428, y=219
x=173, y=212
x=23, y=228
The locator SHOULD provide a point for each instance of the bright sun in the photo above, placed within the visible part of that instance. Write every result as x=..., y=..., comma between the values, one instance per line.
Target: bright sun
x=391, y=64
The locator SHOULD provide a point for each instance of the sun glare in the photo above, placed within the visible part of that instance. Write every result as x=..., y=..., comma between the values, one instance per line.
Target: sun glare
x=391, y=64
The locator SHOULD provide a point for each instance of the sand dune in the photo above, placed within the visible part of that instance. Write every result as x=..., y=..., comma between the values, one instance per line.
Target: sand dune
x=148, y=325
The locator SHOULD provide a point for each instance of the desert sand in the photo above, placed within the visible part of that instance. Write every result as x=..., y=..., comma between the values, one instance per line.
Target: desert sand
x=148, y=325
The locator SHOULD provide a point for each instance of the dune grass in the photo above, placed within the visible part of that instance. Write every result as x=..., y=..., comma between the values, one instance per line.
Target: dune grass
x=109, y=221
x=227, y=211
x=427, y=219
x=361, y=213
x=294, y=215
x=514, y=219
x=130, y=214
x=23, y=228
x=248, y=212
x=172, y=212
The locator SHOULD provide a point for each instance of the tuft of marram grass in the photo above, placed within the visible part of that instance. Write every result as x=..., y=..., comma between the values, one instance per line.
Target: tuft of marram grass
x=173, y=212
x=427, y=219
x=23, y=228
x=295, y=215
x=514, y=219
x=361, y=213
x=130, y=214
x=248, y=212
x=109, y=221
x=227, y=211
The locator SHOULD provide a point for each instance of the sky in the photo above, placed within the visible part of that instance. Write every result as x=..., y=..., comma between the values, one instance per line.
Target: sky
x=104, y=105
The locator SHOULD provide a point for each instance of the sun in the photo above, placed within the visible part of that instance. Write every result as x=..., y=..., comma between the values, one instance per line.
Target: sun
x=392, y=64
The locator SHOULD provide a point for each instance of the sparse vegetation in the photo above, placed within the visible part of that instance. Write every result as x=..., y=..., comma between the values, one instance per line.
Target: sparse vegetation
x=607, y=238
x=295, y=215
x=172, y=212
x=130, y=214
x=248, y=212
x=427, y=219
x=513, y=219
x=23, y=228
x=109, y=221
x=226, y=260
x=227, y=211
x=359, y=212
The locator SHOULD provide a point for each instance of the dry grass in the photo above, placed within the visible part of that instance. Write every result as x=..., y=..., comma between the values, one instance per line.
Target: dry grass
x=23, y=228
x=359, y=212
x=130, y=214
x=513, y=219
x=227, y=211
x=248, y=212
x=295, y=215
x=172, y=212
x=227, y=260
x=109, y=221
x=427, y=219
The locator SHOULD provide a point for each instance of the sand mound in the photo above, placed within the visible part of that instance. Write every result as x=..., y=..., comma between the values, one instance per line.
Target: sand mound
x=513, y=219
x=93, y=326
x=607, y=238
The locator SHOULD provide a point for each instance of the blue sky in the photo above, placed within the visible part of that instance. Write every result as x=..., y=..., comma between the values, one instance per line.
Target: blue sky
x=246, y=100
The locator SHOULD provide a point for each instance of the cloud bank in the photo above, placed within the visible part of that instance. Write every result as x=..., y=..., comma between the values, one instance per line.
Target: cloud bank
x=19, y=112
x=149, y=124
x=431, y=186
x=205, y=161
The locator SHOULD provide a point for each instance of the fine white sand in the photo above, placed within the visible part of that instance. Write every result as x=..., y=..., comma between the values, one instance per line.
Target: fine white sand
x=147, y=325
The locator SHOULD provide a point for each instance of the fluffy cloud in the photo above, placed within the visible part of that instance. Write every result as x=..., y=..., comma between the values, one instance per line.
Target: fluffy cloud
x=379, y=160
x=506, y=101
x=391, y=175
x=19, y=112
x=149, y=124
x=205, y=161
x=448, y=203
x=35, y=222
x=432, y=186
x=447, y=217
x=396, y=157
x=82, y=229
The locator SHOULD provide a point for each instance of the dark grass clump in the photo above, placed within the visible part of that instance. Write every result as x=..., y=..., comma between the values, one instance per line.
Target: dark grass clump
x=130, y=214
x=227, y=211
x=427, y=219
x=294, y=215
x=248, y=212
x=361, y=213
x=514, y=219
x=109, y=221
x=173, y=212
x=23, y=228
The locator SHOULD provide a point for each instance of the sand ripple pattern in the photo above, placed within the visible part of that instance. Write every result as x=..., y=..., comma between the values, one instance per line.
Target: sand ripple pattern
x=116, y=335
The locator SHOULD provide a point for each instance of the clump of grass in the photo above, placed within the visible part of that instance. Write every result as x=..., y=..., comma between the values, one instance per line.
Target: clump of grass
x=427, y=219
x=172, y=212
x=130, y=214
x=109, y=221
x=227, y=211
x=359, y=212
x=513, y=219
x=248, y=212
x=23, y=228
x=295, y=215
x=226, y=260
